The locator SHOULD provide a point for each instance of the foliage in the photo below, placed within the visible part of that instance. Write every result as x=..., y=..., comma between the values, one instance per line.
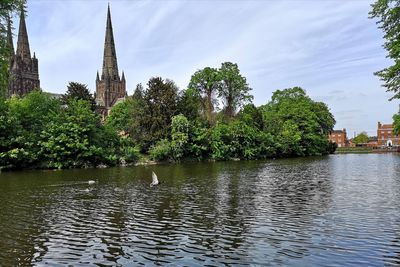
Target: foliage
x=206, y=83
x=179, y=136
x=396, y=124
x=251, y=115
x=299, y=124
x=361, y=138
x=234, y=89
x=120, y=115
x=239, y=140
x=80, y=91
x=388, y=14
x=25, y=118
x=332, y=147
x=161, y=150
x=154, y=109
x=39, y=132
x=190, y=104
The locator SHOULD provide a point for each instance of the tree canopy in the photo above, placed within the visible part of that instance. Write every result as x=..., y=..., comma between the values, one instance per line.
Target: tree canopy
x=361, y=138
x=78, y=91
x=388, y=14
x=163, y=123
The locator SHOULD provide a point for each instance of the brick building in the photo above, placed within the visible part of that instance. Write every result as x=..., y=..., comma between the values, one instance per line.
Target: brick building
x=339, y=137
x=24, y=69
x=386, y=136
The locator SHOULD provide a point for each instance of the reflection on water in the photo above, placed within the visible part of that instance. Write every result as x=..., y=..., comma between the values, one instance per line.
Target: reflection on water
x=337, y=210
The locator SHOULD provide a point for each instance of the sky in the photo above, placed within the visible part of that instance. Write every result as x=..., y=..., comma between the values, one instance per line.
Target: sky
x=329, y=48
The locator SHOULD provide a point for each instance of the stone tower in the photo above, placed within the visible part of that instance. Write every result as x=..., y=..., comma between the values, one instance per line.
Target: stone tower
x=24, y=70
x=109, y=87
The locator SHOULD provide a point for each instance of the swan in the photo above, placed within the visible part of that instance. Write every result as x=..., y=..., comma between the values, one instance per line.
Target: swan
x=154, y=179
x=91, y=182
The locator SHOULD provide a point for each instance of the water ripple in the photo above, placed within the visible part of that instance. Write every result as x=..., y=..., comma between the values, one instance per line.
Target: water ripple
x=312, y=212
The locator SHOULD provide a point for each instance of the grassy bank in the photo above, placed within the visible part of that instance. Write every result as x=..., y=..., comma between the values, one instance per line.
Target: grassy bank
x=357, y=150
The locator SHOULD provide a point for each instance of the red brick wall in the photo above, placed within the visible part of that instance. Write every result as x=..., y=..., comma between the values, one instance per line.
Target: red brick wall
x=339, y=137
x=385, y=134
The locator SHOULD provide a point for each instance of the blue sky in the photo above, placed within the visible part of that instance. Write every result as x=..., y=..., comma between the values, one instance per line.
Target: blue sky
x=329, y=48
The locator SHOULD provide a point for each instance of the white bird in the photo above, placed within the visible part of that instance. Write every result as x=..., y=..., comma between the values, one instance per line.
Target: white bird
x=91, y=182
x=155, y=179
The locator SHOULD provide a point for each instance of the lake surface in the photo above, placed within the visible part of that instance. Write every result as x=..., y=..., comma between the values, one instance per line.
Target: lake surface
x=339, y=210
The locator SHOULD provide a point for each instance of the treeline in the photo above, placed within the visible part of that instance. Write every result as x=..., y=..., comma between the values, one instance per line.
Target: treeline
x=215, y=119
x=212, y=119
x=38, y=131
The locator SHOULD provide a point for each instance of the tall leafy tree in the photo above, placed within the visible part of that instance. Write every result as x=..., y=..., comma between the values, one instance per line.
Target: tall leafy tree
x=151, y=111
x=299, y=124
x=388, y=14
x=78, y=91
x=234, y=89
x=25, y=118
x=206, y=83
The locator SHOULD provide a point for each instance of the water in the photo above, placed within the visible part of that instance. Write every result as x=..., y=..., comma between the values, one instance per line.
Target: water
x=341, y=210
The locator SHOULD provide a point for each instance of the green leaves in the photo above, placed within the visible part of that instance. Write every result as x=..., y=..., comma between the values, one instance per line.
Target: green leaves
x=361, y=138
x=37, y=131
x=78, y=91
x=300, y=125
x=234, y=90
x=388, y=14
x=227, y=83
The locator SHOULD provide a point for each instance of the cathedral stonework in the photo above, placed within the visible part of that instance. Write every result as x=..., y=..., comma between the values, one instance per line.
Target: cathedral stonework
x=110, y=87
x=24, y=70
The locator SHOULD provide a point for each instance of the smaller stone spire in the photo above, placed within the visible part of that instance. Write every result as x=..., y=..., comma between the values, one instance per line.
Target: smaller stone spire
x=123, y=76
x=9, y=37
x=23, y=50
x=97, y=76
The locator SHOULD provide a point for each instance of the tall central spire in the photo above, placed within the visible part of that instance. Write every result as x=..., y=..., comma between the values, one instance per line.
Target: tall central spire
x=110, y=66
x=23, y=44
x=110, y=88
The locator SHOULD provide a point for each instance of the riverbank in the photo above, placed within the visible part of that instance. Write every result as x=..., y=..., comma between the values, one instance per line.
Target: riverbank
x=362, y=150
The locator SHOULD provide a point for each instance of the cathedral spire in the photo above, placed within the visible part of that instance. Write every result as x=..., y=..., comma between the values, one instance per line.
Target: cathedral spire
x=9, y=38
x=110, y=66
x=23, y=44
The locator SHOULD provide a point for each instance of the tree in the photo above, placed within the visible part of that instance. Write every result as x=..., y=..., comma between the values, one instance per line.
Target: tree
x=7, y=9
x=234, y=89
x=78, y=91
x=361, y=138
x=299, y=124
x=206, y=83
x=388, y=14
x=25, y=119
x=251, y=115
x=158, y=104
x=190, y=104
x=396, y=123
x=120, y=117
